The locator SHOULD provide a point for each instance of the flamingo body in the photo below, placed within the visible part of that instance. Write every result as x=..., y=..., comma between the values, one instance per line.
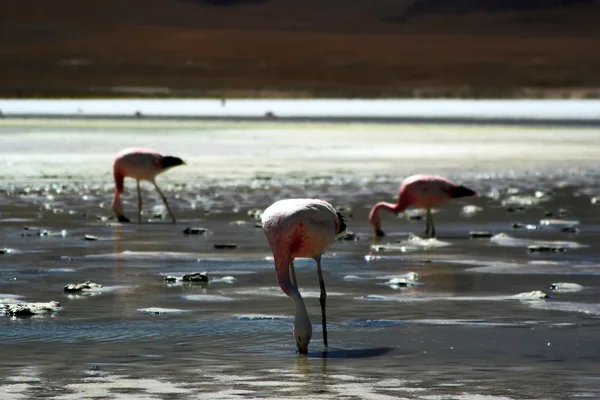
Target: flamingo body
x=140, y=164
x=301, y=228
x=421, y=191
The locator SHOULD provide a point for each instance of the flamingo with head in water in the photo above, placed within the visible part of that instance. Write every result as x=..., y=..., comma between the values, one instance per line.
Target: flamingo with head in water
x=301, y=228
x=422, y=191
x=142, y=165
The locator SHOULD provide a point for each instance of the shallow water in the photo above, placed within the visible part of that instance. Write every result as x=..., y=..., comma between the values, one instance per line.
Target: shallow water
x=460, y=332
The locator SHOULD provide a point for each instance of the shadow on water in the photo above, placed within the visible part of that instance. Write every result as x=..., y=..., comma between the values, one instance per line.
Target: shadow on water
x=351, y=353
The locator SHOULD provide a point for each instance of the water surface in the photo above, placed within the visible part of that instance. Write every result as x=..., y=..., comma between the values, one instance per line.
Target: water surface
x=460, y=332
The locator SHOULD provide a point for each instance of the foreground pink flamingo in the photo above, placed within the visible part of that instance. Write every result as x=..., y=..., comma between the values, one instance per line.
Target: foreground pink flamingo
x=142, y=165
x=422, y=191
x=301, y=228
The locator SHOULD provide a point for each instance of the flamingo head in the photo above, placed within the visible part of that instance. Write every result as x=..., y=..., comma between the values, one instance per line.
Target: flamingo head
x=170, y=162
x=302, y=331
x=375, y=222
x=462, y=191
x=117, y=207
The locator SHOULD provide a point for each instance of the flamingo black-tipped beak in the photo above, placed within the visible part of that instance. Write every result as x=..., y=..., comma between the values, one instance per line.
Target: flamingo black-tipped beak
x=379, y=233
x=170, y=162
x=123, y=218
x=461, y=191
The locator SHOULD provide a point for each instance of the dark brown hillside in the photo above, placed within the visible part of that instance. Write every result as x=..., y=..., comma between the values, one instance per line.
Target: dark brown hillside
x=295, y=48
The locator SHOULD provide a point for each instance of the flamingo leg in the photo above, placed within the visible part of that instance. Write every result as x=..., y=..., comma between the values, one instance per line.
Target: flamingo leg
x=322, y=298
x=164, y=199
x=293, y=273
x=139, y=201
x=430, y=228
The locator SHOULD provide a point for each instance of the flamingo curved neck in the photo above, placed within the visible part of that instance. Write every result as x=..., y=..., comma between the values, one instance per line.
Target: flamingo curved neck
x=117, y=205
x=394, y=208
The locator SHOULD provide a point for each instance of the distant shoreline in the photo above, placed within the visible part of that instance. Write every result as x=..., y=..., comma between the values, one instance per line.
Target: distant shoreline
x=524, y=122
x=575, y=113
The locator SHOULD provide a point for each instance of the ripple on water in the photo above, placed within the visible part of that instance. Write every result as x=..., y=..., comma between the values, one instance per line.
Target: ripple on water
x=261, y=317
x=534, y=295
x=543, y=267
x=161, y=311
x=276, y=292
x=566, y=306
x=503, y=239
x=208, y=297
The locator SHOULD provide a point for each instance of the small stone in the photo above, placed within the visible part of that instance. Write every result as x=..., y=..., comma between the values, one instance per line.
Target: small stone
x=570, y=229
x=80, y=287
x=566, y=287
x=196, y=277
x=533, y=295
x=193, y=277
x=545, y=249
x=519, y=225
x=481, y=234
x=28, y=309
x=225, y=246
x=5, y=251
x=548, y=214
x=255, y=213
x=562, y=212
x=90, y=238
x=194, y=231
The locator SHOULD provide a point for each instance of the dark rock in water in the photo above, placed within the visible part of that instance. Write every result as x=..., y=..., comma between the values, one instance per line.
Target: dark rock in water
x=520, y=225
x=255, y=213
x=548, y=214
x=270, y=115
x=415, y=217
x=80, y=287
x=193, y=277
x=348, y=235
x=562, y=212
x=90, y=238
x=481, y=234
x=5, y=251
x=257, y=225
x=515, y=208
x=595, y=200
x=194, y=231
x=566, y=287
x=570, y=229
x=225, y=246
x=545, y=249
x=28, y=309
x=196, y=277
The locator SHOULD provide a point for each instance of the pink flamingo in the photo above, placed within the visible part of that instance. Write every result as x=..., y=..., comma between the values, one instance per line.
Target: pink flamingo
x=140, y=164
x=422, y=191
x=301, y=228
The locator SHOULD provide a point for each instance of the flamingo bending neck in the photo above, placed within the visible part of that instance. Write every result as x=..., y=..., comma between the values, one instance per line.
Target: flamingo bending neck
x=302, y=324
